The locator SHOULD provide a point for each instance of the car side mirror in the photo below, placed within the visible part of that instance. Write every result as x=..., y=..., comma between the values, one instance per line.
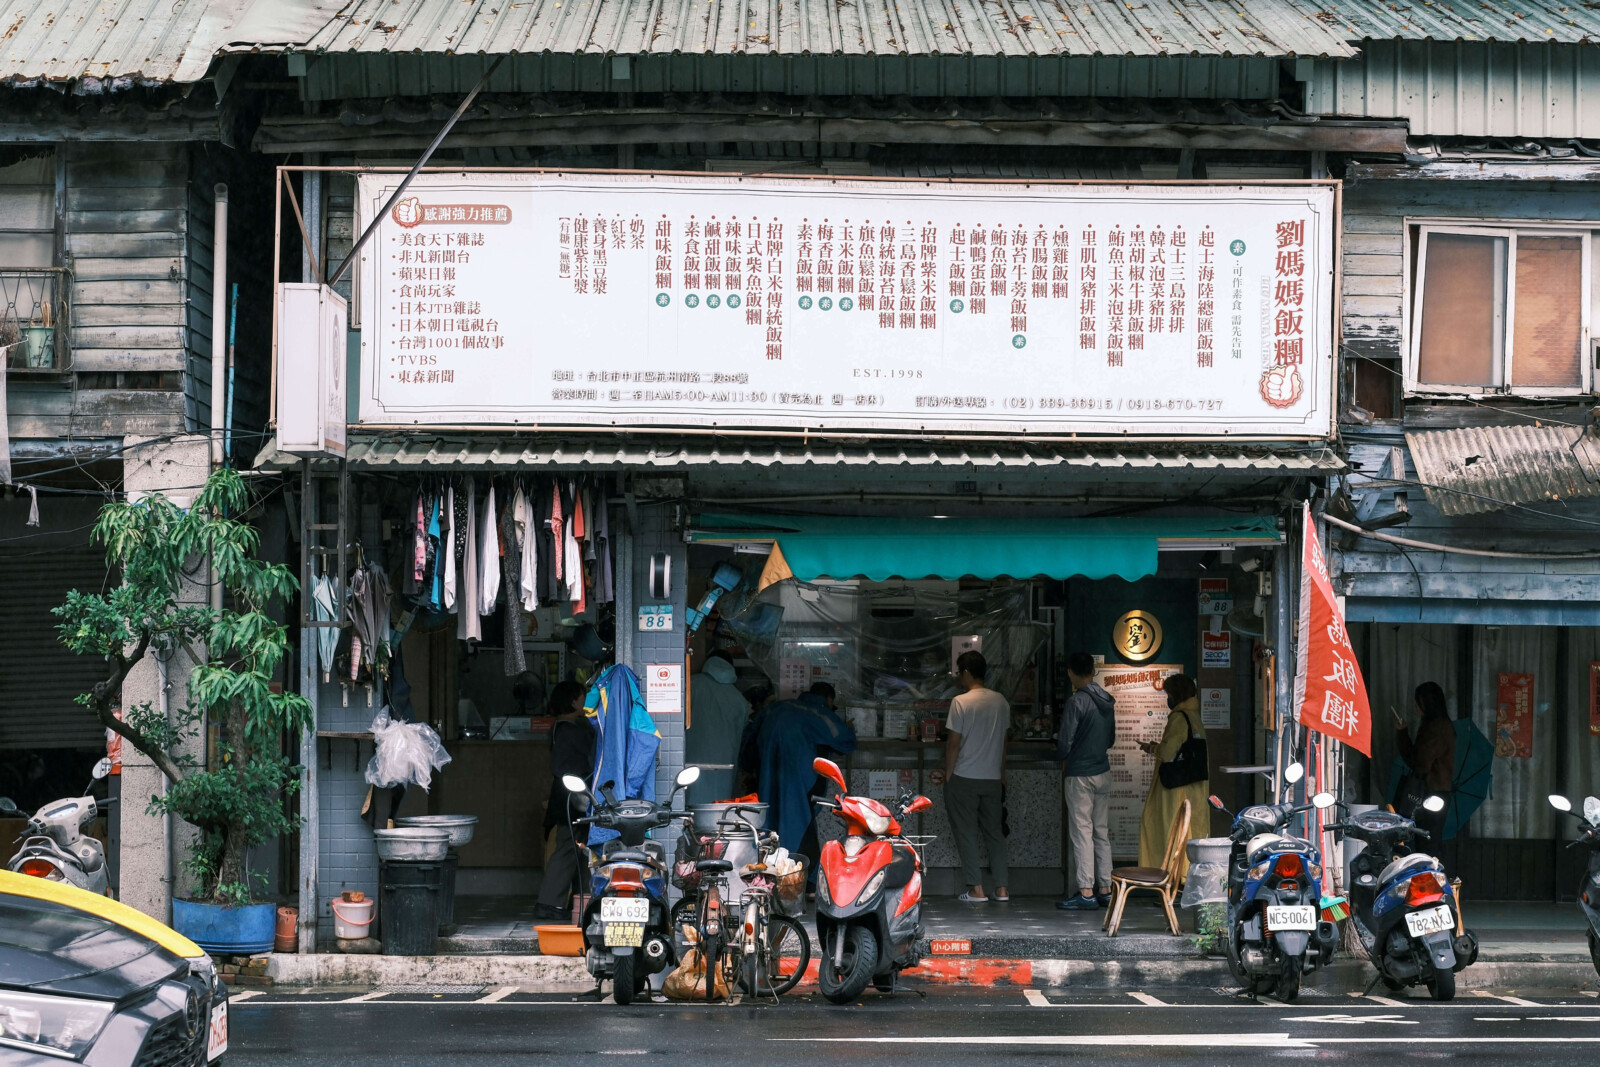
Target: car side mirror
x=1216, y=802
x=1323, y=801
x=919, y=803
x=8, y=807
x=1293, y=773
x=1434, y=803
x=1559, y=802
x=829, y=770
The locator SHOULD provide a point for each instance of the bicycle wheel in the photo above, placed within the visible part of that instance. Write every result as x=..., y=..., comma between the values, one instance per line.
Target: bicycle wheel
x=786, y=952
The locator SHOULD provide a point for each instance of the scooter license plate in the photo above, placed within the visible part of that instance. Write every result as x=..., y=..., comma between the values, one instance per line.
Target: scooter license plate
x=1291, y=917
x=1431, y=921
x=624, y=909
x=624, y=935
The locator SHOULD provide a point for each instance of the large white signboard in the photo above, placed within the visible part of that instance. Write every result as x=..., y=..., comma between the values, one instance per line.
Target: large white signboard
x=600, y=301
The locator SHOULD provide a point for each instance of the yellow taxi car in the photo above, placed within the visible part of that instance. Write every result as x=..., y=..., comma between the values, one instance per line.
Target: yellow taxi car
x=84, y=978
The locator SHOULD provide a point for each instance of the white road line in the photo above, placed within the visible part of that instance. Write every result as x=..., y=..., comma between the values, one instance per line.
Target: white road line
x=1148, y=1001
x=1385, y=1001
x=498, y=995
x=243, y=995
x=1590, y=992
x=362, y=999
x=1035, y=998
x=1183, y=1040
x=1484, y=994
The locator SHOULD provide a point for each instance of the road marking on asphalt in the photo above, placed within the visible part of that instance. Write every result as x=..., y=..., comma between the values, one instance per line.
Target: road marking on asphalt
x=1351, y=1020
x=1484, y=994
x=1385, y=1001
x=1148, y=1001
x=363, y=998
x=1068, y=1040
x=243, y=995
x=1035, y=998
x=498, y=995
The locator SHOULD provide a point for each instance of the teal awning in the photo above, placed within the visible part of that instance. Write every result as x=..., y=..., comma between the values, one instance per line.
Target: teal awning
x=836, y=547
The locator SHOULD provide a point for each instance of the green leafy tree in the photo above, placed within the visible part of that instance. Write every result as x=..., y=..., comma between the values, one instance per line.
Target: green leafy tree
x=155, y=545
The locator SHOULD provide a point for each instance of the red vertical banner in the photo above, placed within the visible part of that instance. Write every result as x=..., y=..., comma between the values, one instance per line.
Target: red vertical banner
x=1513, y=721
x=1594, y=699
x=1329, y=693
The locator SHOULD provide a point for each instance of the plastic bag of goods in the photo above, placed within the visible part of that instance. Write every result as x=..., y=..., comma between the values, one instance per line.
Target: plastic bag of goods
x=405, y=753
x=1207, y=884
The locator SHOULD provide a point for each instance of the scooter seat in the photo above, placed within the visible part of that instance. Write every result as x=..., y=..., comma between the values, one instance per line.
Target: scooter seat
x=713, y=866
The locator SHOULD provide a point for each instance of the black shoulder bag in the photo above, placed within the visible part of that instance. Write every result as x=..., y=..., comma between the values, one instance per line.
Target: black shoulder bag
x=1190, y=765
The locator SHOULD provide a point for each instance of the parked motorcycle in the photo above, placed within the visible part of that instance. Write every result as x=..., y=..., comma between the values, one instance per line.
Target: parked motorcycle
x=1274, y=898
x=869, y=893
x=625, y=924
x=1402, y=905
x=54, y=846
x=1589, y=891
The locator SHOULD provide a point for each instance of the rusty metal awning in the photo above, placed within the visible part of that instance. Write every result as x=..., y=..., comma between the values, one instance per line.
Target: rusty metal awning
x=1486, y=468
x=425, y=451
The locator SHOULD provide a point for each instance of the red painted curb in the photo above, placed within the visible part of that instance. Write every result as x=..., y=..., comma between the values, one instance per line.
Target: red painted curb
x=959, y=971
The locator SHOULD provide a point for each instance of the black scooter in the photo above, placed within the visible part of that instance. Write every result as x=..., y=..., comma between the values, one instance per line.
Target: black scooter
x=1589, y=890
x=625, y=924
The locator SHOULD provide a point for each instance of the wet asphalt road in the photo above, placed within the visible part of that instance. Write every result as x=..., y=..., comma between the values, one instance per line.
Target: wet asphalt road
x=949, y=1027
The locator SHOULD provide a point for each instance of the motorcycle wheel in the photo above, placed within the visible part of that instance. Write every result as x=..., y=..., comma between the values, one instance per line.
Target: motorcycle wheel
x=1594, y=950
x=1235, y=963
x=851, y=979
x=622, y=981
x=1443, y=985
x=1289, y=980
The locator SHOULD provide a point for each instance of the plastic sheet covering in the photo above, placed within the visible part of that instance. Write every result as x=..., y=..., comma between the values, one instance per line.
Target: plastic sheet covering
x=405, y=753
x=1207, y=884
x=886, y=646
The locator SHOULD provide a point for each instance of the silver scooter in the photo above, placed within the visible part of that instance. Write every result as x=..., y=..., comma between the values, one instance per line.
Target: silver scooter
x=53, y=845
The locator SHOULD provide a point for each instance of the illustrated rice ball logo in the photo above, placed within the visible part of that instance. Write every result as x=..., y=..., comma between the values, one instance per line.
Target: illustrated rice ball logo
x=408, y=212
x=1281, y=387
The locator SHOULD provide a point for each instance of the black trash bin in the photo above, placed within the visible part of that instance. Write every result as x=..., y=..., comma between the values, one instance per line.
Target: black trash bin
x=447, y=894
x=409, y=900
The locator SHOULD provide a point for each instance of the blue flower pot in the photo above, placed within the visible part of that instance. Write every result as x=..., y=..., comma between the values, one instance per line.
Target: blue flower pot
x=224, y=931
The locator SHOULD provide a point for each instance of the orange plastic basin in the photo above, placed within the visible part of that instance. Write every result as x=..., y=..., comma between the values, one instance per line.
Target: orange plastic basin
x=560, y=940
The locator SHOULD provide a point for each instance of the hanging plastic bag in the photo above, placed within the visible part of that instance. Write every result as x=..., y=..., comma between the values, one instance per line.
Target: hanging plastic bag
x=407, y=753
x=1207, y=884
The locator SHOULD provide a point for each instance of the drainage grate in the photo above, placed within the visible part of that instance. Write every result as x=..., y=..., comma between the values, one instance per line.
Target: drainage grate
x=438, y=990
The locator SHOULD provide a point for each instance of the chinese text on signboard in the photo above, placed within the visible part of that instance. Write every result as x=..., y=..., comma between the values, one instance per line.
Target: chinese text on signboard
x=607, y=300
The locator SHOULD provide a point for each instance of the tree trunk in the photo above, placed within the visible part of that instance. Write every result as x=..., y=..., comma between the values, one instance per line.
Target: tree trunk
x=230, y=869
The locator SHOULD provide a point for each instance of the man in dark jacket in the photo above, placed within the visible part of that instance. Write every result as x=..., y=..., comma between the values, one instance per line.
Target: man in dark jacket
x=571, y=752
x=1088, y=727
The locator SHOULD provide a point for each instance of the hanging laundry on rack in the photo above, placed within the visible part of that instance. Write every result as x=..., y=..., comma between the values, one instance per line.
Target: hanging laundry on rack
x=572, y=561
x=488, y=555
x=527, y=548
x=557, y=537
x=515, y=662
x=419, y=547
x=448, y=589
x=468, y=627
x=604, y=575
x=433, y=592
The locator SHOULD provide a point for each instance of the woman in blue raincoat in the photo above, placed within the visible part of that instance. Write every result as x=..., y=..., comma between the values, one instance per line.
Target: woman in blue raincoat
x=791, y=733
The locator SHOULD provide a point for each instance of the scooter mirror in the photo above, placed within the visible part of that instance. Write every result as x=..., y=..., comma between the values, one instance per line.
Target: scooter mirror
x=1216, y=802
x=1559, y=802
x=8, y=806
x=573, y=783
x=688, y=776
x=1591, y=810
x=1323, y=801
x=918, y=804
x=829, y=770
x=1434, y=803
x=102, y=768
x=1293, y=773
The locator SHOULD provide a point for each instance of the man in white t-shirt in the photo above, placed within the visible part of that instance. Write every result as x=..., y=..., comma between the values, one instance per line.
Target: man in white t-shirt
x=974, y=774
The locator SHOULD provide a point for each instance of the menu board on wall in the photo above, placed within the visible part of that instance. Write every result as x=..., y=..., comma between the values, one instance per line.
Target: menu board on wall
x=1141, y=716
x=622, y=300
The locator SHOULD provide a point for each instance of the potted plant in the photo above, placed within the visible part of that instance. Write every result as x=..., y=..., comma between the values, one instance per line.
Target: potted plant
x=235, y=800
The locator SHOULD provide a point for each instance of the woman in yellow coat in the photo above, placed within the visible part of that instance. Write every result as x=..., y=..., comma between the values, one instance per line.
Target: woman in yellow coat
x=1161, y=806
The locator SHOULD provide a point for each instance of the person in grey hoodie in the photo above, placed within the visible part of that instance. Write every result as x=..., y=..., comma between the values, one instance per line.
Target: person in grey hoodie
x=717, y=714
x=1088, y=728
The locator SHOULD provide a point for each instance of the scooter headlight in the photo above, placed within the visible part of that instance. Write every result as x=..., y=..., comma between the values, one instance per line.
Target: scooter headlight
x=878, y=824
x=874, y=884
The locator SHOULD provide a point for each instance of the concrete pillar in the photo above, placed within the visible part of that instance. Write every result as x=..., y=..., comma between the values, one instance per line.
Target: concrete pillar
x=152, y=847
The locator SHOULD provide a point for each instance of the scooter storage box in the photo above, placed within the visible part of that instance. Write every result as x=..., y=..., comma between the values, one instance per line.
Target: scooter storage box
x=409, y=902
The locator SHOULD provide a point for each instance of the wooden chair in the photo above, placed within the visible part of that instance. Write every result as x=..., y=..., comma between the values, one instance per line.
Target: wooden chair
x=1162, y=879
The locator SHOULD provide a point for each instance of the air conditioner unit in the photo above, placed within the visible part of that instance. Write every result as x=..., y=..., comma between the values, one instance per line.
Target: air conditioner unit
x=312, y=331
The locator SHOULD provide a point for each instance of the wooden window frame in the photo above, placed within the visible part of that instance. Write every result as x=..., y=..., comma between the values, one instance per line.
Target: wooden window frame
x=1415, y=282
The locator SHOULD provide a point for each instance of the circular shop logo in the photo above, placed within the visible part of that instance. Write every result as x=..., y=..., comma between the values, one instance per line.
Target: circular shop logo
x=1018, y=341
x=957, y=306
x=692, y=300
x=733, y=300
x=1236, y=247
x=713, y=301
x=825, y=304
x=662, y=300
x=845, y=303
x=805, y=303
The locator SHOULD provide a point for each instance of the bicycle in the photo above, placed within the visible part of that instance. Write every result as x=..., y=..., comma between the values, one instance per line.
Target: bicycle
x=761, y=949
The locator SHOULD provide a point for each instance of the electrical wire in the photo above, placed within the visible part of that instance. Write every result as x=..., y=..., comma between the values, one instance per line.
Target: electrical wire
x=1454, y=549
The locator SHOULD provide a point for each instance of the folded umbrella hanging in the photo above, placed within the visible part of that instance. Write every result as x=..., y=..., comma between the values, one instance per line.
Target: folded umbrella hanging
x=323, y=609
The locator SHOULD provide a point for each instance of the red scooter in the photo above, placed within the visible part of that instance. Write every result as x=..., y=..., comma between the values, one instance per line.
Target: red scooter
x=869, y=894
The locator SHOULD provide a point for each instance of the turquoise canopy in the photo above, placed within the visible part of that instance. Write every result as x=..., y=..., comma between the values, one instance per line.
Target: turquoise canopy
x=837, y=547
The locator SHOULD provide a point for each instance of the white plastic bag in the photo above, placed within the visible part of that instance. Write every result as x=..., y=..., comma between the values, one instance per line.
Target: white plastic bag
x=407, y=753
x=1207, y=884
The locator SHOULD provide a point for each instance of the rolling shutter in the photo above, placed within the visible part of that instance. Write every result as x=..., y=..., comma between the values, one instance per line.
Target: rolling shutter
x=39, y=678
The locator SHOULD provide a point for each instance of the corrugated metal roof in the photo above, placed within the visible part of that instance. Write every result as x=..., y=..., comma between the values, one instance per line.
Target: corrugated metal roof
x=828, y=27
x=122, y=42
x=1561, y=21
x=1487, y=468
x=428, y=451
